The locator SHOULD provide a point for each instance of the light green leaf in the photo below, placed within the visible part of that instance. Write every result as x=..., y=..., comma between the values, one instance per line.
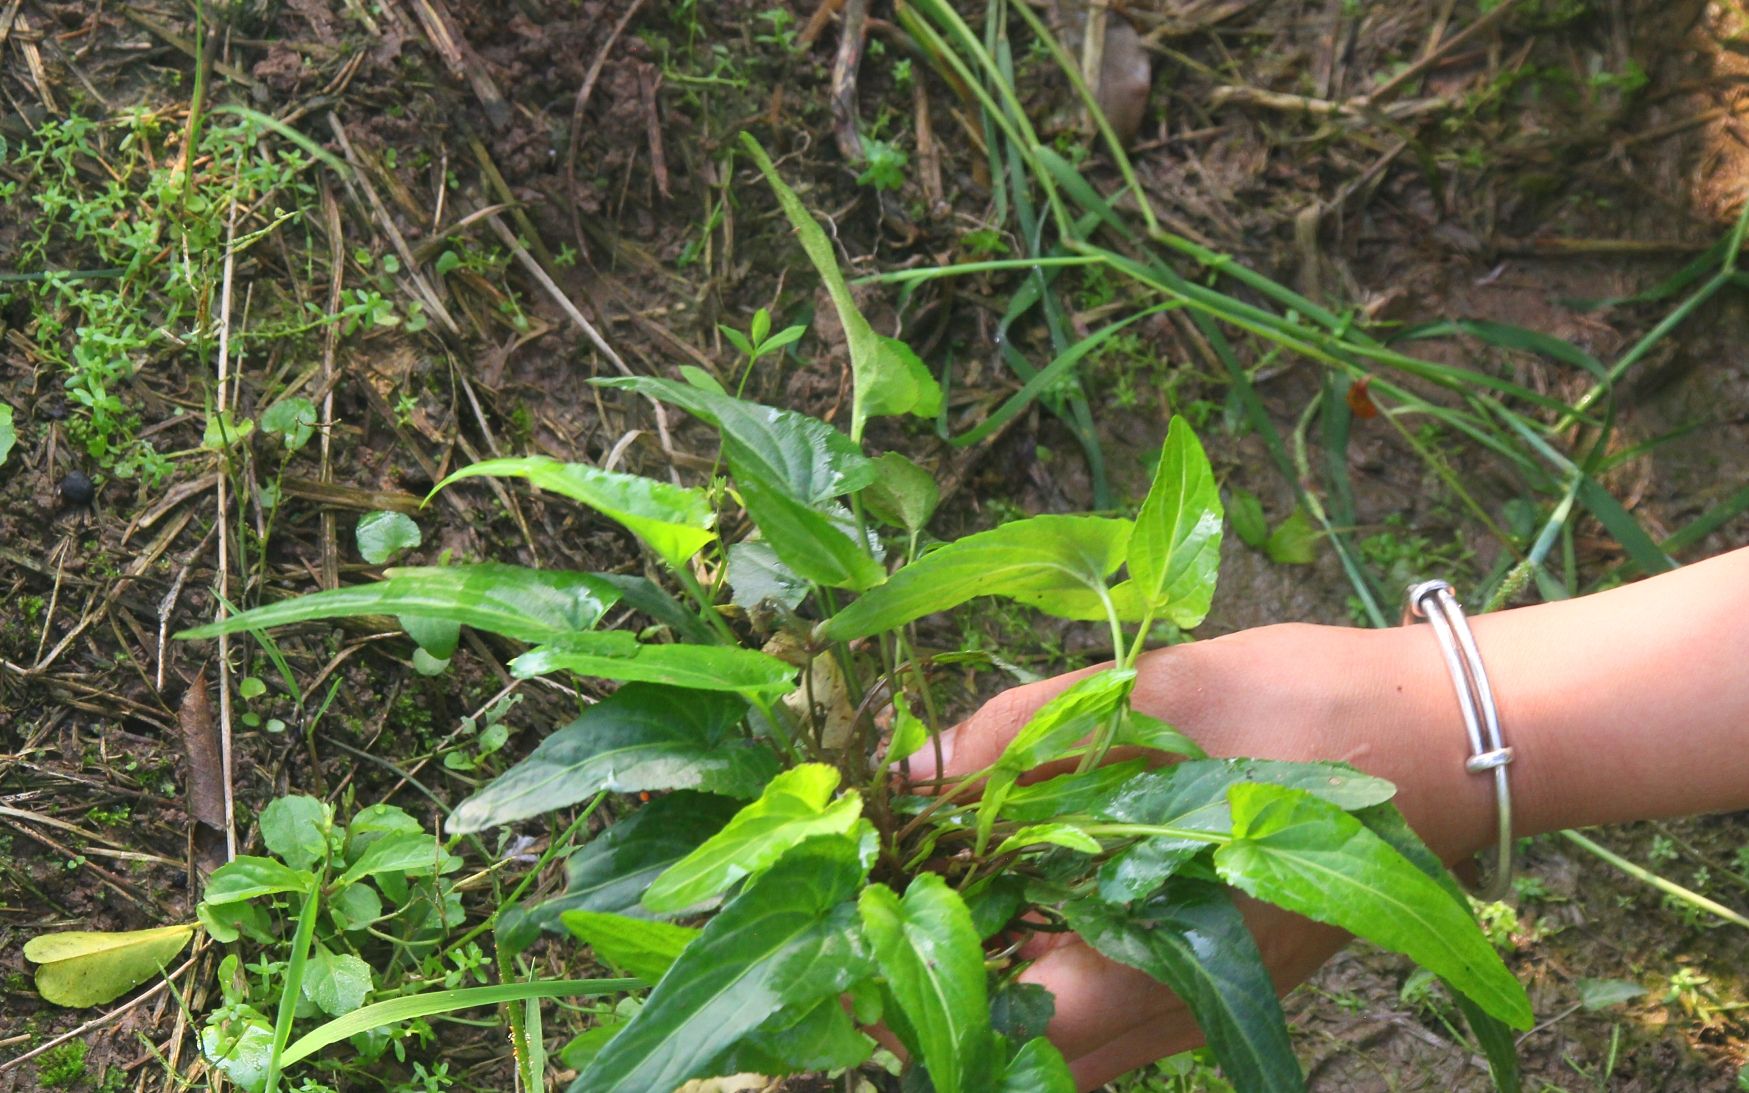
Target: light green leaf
x=796, y=805
x=398, y=853
x=531, y=605
x=249, y=877
x=929, y=952
x=672, y=520
x=699, y=667
x=612, y=871
x=888, y=377
x=786, y=943
x=809, y=542
x=902, y=494
x=641, y=737
x=1064, y=835
x=1294, y=541
x=336, y=982
x=1069, y=794
x=383, y=535
x=242, y=1047
x=1176, y=547
x=1139, y=730
x=806, y=458
x=910, y=734
x=293, y=420
x=1197, y=945
x=295, y=829
x=354, y=907
x=81, y=968
x=637, y=947
x=1314, y=859
x=1038, y=1067
x=8, y=434
x=223, y=430
x=1037, y=561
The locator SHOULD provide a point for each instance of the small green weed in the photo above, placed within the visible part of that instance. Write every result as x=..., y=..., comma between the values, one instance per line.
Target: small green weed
x=62, y=1067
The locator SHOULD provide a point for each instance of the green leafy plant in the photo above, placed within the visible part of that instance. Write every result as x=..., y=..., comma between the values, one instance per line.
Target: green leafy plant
x=785, y=882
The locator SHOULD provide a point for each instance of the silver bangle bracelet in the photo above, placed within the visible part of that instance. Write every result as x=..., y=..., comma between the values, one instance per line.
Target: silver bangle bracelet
x=1434, y=601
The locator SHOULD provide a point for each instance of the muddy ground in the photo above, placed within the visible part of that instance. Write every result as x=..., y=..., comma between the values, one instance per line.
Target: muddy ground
x=1533, y=156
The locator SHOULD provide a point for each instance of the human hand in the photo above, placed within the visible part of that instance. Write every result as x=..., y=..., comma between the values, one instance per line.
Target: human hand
x=1376, y=699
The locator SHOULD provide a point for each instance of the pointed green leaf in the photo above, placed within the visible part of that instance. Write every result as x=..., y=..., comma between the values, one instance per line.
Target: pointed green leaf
x=1312, y=858
x=1035, y=561
x=804, y=457
x=88, y=968
x=789, y=941
x=673, y=521
x=1176, y=547
x=824, y=1038
x=336, y=982
x=888, y=377
x=1069, y=794
x=698, y=667
x=638, y=947
x=1064, y=835
x=641, y=737
x=1062, y=722
x=796, y=805
x=1197, y=945
x=1245, y=513
x=399, y=853
x=1038, y=1067
x=902, y=494
x=612, y=871
x=249, y=877
x=531, y=605
x=809, y=542
x=382, y=535
x=929, y=952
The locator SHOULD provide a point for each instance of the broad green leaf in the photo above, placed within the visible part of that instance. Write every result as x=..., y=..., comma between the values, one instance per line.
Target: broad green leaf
x=241, y=1047
x=888, y=377
x=1294, y=541
x=612, y=871
x=758, y=577
x=796, y=805
x=223, y=430
x=673, y=521
x=1036, y=561
x=824, y=1038
x=1197, y=944
x=902, y=494
x=637, y=947
x=532, y=605
x=295, y=830
x=383, y=535
x=1245, y=513
x=8, y=433
x=1038, y=1067
x=1140, y=870
x=249, y=877
x=1064, y=835
x=437, y=638
x=806, y=458
x=808, y=541
x=336, y=982
x=1176, y=547
x=353, y=907
x=929, y=952
x=293, y=420
x=1314, y=859
x=402, y=852
x=788, y=941
x=1069, y=794
x=88, y=968
x=1021, y=1011
x=698, y=667
x=641, y=737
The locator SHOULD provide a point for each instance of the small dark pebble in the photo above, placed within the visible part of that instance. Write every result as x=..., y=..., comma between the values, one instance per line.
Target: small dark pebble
x=77, y=489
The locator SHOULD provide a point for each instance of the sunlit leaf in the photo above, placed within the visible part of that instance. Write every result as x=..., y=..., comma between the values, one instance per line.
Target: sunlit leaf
x=250, y=877
x=796, y=805
x=531, y=605
x=641, y=737
x=1035, y=561
x=89, y=968
x=672, y=520
x=1065, y=835
x=638, y=947
x=1176, y=547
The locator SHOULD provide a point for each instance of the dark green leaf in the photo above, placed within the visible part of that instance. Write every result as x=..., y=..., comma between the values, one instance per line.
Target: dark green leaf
x=698, y=667
x=902, y=494
x=1197, y=945
x=1294, y=541
x=637, y=947
x=994, y=902
x=651, y=599
x=1068, y=794
x=759, y=578
x=673, y=521
x=1176, y=547
x=1139, y=871
x=929, y=952
x=1245, y=513
x=531, y=605
x=295, y=830
x=641, y=737
x=808, y=541
x=788, y=941
x=383, y=535
x=1312, y=858
x=1020, y=1011
x=824, y=1038
x=1194, y=794
x=1035, y=561
x=1038, y=1067
x=795, y=806
x=612, y=871
x=249, y=877
x=805, y=458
